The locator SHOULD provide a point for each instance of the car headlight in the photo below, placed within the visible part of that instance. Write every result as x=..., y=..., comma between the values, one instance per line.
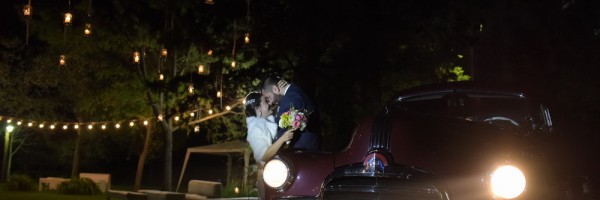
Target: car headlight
x=507, y=182
x=276, y=173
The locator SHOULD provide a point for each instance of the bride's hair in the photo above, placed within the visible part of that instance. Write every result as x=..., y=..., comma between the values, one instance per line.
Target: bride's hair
x=252, y=102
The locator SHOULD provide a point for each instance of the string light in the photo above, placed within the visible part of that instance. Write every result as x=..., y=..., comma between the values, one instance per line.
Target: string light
x=9, y=121
x=163, y=52
x=65, y=127
x=41, y=126
x=136, y=57
x=192, y=114
x=228, y=108
x=90, y=127
x=160, y=117
x=30, y=124
x=62, y=60
x=117, y=126
x=196, y=129
x=161, y=76
x=76, y=126
x=191, y=89
x=87, y=32
x=27, y=11
x=210, y=52
x=103, y=126
x=200, y=69
x=68, y=18
x=219, y=94
x=19, y=123
x=247, y=38
x=210, y=112
x=131, y=124
x=145, y=122
x=233, y=64
x=52, y=126
x=176, y=118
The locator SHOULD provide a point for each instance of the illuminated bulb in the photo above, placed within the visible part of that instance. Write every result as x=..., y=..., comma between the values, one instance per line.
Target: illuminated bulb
x=193, y=114
x=19, y=123
x=247, y=38
x=103, y=126
x=200, y=69
x=176, y=118
x=145, y=122
x=210, y=52
x=41, y=126
x=52, y=126
x=9, y=121
x=136, y=57
x=88, y=30
x=160, y=117
x=29, y=124
x=228, y=108
x=163, y=52
x=65, y=127
x=460, y=56
x=219, y=94
x=117, y=126
x=209, y=2
x=210, y=112
x=90, y=127
x=68, y=18
x=244, y=101
x=196, y=129
x=27, y=11
x=63, y=60
x=161, y=77
x=233, y=64
x=131, y=124
x=236, y=190
x=191, y=89
x=76, y=126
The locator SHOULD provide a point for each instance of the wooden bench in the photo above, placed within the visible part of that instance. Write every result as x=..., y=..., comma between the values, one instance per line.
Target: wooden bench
x=102, y=180
x=163, y=195
x=50, y=183
x=126, y=195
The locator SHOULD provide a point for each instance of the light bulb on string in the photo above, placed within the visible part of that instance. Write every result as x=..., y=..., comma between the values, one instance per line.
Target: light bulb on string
x=191, y=89
x=161, y=76
x=210, y=112
x=145, y=122
x=19, y=123
x=136, y=57
x=200, y=69
x=87, y=32
x=247, y=38
x=27, y=11
x=163, y=52
x=65, y=127
x=62, y=60
x=103, y=126
x=192, y=114
x=176, y=118
x=196, y=129
x=233, y=64
x=219, y=95
x=30, y=124
x=228, y=108
x=52, y=126
x=68, y=19
x=117, y=126
x=41, y=126
x=9, y=121
x=90, y=127
x=131, y=124
x=76, y=126
x=210, y=52
x=160, y=117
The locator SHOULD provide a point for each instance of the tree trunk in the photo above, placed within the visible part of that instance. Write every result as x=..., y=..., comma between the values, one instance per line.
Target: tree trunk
x=75, y=167
x=4, y=176
x=168, y=160
x=142, y=160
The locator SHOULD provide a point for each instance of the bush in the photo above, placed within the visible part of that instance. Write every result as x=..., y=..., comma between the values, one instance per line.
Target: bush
x=20, y=183
x=79, y=186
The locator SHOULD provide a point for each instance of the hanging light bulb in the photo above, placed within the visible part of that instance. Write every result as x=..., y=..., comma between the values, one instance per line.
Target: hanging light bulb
x=163, y=52
x=244, y=101
x=27, y=11
x=200, y=69
x=191, y=89
x=210, y=112
x=219, y=94
x=233, y=64
x=65, y=127
x=19, y=123
x=90, y=127
x=210, y=52
x=131, y=124
x=117, y=126
x=103, y=126
x=63, y=60
x=161, y=76
x=192, y=114
x=228, y=108
x=52, y=126
x=9, y=121
x=136, y=57
x=247, y=38
x=160, y=117
x=68, y=18
x=196, y=129
x=76, y=126
x=209, y=2
x=41, y=126
x=145, y=122
x=176, y=118
x=30, y=124
x=87, y=32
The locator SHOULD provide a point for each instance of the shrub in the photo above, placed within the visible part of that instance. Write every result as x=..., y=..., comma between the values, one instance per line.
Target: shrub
x=20, y=183
x=79, y=186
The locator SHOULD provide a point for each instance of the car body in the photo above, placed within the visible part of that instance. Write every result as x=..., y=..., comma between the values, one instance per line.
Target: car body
x=442, y=141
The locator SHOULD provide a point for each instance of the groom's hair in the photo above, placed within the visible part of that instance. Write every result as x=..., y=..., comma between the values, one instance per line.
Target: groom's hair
x=268, y=82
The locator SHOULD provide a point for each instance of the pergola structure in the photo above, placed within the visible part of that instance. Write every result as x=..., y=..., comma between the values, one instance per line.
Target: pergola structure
x=228, y=149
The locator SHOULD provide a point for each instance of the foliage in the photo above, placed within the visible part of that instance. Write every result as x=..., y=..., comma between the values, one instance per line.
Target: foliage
x=20, y=183
x=79, y=186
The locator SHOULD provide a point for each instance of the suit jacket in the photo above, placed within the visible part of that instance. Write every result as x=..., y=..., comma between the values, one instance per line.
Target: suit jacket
x=295, y=97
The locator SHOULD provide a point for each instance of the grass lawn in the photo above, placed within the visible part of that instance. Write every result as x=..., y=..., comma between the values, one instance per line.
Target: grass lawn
x=46, y=195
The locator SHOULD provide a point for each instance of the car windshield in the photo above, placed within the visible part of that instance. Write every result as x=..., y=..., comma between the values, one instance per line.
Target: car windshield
x=493, y=107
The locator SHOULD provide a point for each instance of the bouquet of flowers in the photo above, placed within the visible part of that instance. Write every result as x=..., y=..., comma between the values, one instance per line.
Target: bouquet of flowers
x=293, y=119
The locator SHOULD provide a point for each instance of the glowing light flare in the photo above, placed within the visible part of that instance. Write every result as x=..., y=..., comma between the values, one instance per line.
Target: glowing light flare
x=41, y=126
x=176, y=118
x=76, y=126
x=30, y=124
x=103, y=126
x=9, y=121
x=117, y=126
x=65, y=127
x=507, y=182
x=191, y=89
x=19, y=123
x=90, y=127
x=131, y=124
x=27, y=11
x=228, y=108
x=200, y=69
x=210, y=52
x=161, y=76
x=236, y=190
x=163, y=52
x=233, y=64
x=145, y=122
x=247, y=38
x=52, y=126
x=219, y=95
x=62, y=60
x=192, y=114
x=68, y=19
x=210, y=112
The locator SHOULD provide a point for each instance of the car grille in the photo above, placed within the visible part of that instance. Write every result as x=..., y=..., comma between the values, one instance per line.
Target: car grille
x=368, y=187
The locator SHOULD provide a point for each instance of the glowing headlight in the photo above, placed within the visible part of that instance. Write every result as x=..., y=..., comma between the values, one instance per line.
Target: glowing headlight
x=508, y=182
x=276, y=173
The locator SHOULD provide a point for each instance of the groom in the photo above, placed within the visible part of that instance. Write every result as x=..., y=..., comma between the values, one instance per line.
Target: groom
x=286, y=95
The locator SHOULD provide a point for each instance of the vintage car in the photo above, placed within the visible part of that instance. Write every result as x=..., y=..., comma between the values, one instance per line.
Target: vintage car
x=459, y=140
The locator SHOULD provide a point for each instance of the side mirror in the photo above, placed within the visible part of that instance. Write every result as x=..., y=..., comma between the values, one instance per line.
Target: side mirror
x=547, y=119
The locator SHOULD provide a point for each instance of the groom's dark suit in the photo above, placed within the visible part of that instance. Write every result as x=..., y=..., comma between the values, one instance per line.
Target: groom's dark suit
x=295, y=97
